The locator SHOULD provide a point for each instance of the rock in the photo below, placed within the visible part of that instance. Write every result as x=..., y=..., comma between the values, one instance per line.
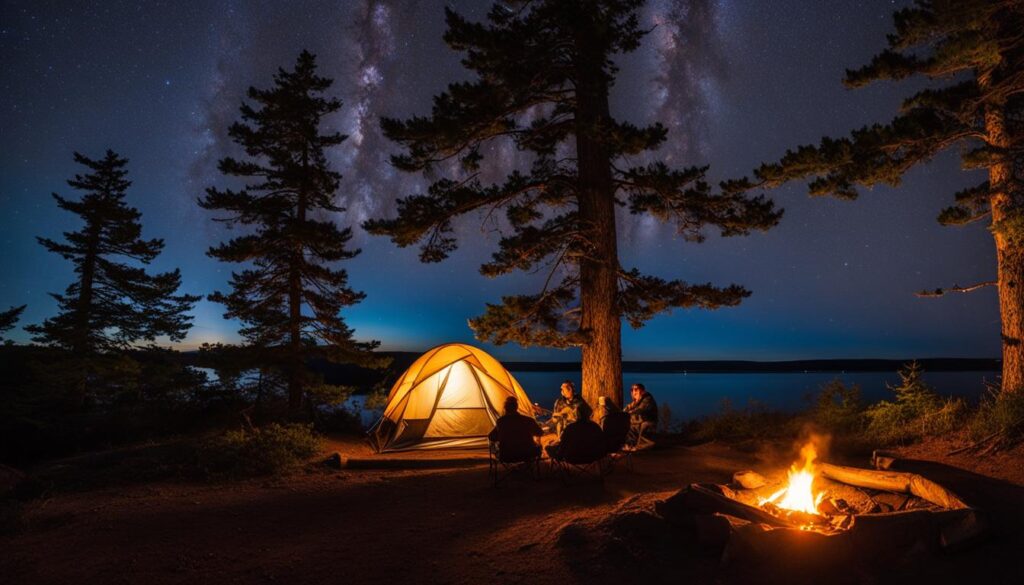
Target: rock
x=750, y=480
x=675, y=510
x=572, y=534
x=636, y=526
x=334, y=461
x=961, y=529
x=789, y=555
x=889, y=501
x=714, y=530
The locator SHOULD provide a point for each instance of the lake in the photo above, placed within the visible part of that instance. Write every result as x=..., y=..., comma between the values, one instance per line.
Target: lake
x=697, y=395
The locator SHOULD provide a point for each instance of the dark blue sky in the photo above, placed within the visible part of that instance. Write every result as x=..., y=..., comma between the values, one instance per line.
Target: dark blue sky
x=738, y=83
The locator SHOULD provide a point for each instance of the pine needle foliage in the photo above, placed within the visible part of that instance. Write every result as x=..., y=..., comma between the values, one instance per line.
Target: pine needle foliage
x=113, y=303
x=540, y=75
x=971, y=54
x=290, y=294
x=9, y=318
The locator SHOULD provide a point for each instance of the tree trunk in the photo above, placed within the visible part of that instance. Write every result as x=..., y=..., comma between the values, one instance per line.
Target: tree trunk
x=602, y=350
x=296, y=363
x=83, y=317
x=1005, y=204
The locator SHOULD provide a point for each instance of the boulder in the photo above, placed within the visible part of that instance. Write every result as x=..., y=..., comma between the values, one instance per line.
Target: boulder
x=714, y=530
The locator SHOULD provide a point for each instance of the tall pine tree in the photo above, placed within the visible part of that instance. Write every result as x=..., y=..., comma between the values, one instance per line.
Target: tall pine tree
x=543, y=71
x=290, y=297
x=977, y=47
x=113, y=303
x=9, y=318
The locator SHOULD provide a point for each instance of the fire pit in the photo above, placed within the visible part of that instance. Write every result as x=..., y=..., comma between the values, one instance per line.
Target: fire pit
x=825, y=515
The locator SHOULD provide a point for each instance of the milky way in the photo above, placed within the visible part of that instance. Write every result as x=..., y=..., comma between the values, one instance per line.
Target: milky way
x=736, y=83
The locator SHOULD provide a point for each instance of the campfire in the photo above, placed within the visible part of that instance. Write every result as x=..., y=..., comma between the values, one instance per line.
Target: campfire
x=839, y=511
x=798, y=495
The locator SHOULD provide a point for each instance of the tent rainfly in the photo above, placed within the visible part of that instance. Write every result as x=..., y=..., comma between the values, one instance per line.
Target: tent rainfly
x=449, y=398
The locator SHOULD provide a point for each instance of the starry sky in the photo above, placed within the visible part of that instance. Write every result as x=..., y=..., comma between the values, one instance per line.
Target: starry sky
x=737, y=82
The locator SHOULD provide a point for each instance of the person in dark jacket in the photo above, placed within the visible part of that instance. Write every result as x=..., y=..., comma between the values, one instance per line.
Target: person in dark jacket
x=515, y=434
x=643, y=414
x=567, y=408
x=582, y=441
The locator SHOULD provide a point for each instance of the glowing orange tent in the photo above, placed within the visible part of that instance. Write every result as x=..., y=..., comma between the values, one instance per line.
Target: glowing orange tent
x=449, y=398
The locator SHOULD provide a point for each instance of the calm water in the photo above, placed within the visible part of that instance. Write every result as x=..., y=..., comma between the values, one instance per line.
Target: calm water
x=696, y=395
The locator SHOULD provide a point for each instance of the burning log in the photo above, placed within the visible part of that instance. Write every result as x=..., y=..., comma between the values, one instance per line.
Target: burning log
x=681, y=507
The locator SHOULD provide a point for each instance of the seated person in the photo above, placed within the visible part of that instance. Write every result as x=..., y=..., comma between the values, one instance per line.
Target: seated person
x=643, y=414
x=567, y=408
x=582, y=441
x=514, y=433
x=614, y=426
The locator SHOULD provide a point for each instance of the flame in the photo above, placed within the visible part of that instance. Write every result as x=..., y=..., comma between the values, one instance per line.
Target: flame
x=799, y=494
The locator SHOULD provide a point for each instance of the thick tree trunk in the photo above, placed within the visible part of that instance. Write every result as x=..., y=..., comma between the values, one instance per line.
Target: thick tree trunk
x=1005, y=203
x=602, y=351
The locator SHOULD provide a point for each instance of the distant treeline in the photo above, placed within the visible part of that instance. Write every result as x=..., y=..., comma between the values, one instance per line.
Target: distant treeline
x=367, y=378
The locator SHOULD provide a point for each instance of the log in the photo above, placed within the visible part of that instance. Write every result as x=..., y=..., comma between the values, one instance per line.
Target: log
x=681, y=507
x=894, y=481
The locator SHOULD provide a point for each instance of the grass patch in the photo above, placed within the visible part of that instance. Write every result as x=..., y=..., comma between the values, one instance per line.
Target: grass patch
x=999, y=413
x=269, y=450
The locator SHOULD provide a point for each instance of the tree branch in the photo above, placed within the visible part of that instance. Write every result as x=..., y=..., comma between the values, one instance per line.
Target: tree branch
x=955, y=288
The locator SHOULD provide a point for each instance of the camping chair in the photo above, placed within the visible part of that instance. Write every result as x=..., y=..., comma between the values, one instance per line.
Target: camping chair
x=501, y=469
x=620, y=447
x=595, y=469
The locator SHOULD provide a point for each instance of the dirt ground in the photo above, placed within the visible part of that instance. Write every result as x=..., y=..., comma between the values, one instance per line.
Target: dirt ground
x=390, y=526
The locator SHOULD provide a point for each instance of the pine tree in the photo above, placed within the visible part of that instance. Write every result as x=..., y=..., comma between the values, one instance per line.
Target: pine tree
x=9, y=318
x=290, y=298
x=112, y=305
x=976, y=46
x=543, y=74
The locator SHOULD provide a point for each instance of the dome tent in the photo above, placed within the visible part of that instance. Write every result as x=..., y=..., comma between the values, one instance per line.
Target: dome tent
x=449, y=398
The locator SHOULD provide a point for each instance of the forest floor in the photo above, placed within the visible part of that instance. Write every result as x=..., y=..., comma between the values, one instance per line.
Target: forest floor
x=321, y=525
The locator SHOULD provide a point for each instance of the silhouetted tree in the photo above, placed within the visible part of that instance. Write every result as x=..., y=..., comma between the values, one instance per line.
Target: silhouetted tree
x=290, y=298
x=543, y=72
x=112, y=305
x=9, y=318
x=977, y=46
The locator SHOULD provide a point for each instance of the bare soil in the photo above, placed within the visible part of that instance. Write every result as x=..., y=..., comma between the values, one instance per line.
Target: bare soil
x=398, y=526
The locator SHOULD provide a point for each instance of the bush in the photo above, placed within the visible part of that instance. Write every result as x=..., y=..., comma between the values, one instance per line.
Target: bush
x=838, y=408
x=269, y=450
x=917, y=411
x=999, y=412
x=755, y=421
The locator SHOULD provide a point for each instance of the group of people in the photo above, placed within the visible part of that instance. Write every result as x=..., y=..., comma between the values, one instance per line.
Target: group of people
x=579, y=439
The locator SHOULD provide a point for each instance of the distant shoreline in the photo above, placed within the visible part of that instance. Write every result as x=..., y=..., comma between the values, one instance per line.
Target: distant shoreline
x=335, y=373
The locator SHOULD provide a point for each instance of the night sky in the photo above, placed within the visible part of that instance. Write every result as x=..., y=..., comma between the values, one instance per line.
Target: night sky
x=737, y=82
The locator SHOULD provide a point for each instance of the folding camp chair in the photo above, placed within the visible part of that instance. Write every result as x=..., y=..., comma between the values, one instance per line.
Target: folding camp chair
x=596, y=469
x=499, y=469
x=615, y=427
